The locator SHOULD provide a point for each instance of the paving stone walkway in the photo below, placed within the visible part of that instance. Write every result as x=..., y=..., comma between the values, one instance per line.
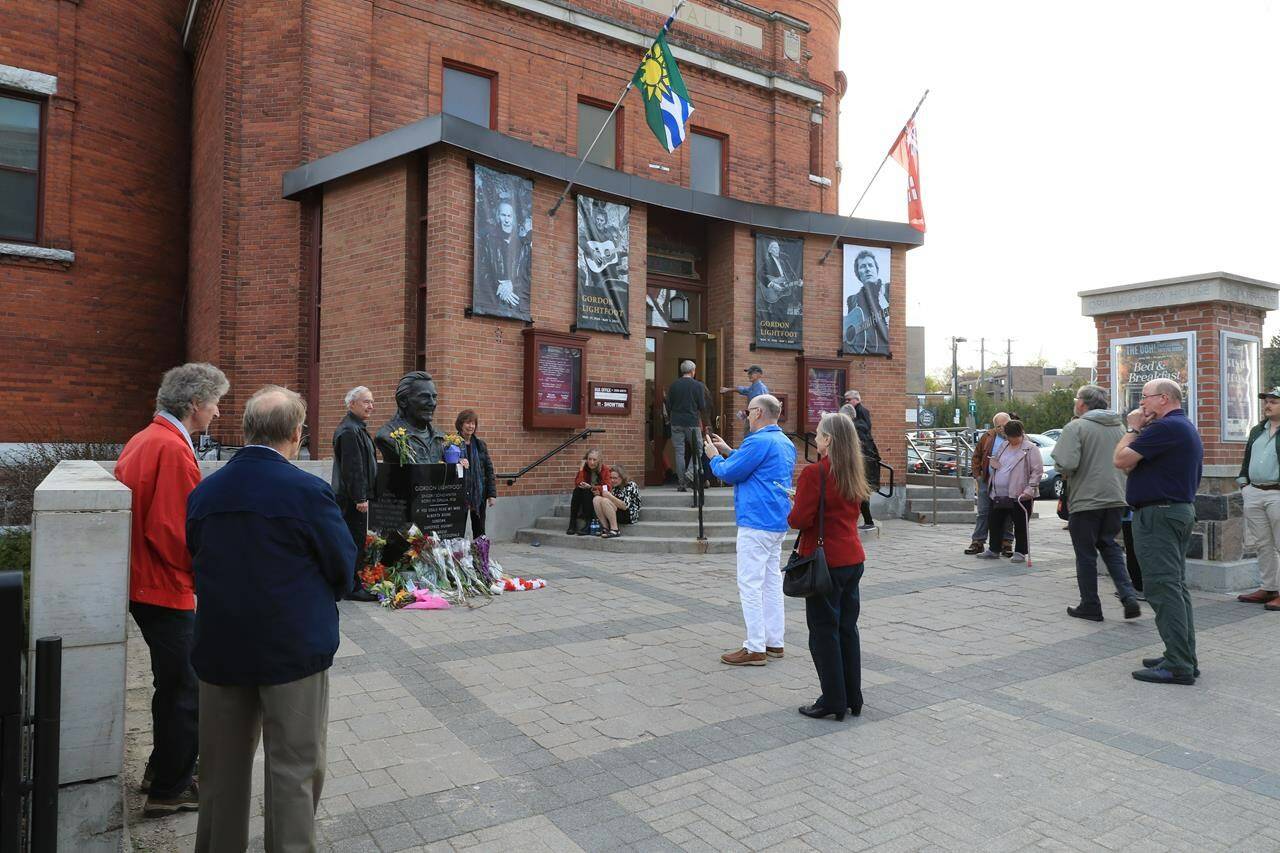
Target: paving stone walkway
x=595, y=715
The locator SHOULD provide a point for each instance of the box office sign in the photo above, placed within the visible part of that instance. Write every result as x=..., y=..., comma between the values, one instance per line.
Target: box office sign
x=1137, y=361
x=1239, y=384
x=609, y=398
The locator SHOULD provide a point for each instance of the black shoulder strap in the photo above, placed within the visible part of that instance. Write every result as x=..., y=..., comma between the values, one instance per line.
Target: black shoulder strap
x=822, y=499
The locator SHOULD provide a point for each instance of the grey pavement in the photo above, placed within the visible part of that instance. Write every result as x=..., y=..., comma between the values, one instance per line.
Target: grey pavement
x=595, y=715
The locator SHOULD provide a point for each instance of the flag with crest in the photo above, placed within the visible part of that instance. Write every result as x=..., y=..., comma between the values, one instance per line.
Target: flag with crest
x=666, y=101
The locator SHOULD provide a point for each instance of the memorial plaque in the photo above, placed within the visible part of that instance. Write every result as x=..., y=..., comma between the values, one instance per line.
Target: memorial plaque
x=430, y=496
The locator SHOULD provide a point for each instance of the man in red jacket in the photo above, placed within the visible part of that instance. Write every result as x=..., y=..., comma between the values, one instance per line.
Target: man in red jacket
x=159, y=467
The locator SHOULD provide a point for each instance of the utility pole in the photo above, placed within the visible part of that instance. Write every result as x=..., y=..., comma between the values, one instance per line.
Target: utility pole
x=982, y=362
x=1008, y=371
x=955, y=380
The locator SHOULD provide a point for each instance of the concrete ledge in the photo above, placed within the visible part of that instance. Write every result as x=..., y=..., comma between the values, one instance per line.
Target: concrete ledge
x=1225, y=576
x=1184, y=290
x=77, y=486
x=91, y=817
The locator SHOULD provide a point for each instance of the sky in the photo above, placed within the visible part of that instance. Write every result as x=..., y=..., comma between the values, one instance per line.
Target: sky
x=1064, y=147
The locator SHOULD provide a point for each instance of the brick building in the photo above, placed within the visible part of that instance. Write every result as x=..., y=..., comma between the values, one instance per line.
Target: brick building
x=333, y=147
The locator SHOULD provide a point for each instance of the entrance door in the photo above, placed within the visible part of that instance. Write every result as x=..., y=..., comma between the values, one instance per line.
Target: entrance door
x=664, y=350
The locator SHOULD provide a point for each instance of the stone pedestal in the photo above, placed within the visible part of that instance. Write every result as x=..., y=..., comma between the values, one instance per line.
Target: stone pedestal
x=1205, y=332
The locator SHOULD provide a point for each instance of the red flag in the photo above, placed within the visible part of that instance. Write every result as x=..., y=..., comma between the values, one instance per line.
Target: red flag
x=906, y=152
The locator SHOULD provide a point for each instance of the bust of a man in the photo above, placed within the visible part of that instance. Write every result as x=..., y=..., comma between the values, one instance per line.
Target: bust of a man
x=415, y=406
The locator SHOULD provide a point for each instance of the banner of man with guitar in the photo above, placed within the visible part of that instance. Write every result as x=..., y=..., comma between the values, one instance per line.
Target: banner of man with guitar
x=866, y=300
x=779, y=292
x=604, y=281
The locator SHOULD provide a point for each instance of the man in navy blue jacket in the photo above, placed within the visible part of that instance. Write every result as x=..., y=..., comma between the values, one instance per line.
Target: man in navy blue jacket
x=271, y=557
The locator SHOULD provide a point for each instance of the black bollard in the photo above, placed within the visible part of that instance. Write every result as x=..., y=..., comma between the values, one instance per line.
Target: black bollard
x=44, y=800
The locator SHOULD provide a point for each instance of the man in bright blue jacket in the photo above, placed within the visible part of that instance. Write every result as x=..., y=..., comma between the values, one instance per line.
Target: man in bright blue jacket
x=760, y=471
x=271, y=556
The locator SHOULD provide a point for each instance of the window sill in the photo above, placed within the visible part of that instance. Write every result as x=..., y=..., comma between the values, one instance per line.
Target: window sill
x=36, y=253
x=820, y=181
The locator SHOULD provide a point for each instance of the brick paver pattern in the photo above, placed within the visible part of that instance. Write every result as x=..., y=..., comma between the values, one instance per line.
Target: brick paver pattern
x=595, y=715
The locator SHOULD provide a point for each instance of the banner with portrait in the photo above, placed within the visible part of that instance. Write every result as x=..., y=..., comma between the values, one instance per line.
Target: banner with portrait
x=1240, y=368
x=1137, y=361
x=779, y=292
x=604, y=278
x=865, y=330
x=501, y=284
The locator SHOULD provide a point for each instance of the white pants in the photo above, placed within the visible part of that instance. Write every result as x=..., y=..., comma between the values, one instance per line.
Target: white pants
x=760, y=587
x=1262, y=517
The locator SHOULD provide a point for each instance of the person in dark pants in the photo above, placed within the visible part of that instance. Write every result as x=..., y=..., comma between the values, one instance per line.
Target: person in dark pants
x=688, y=409
x=1014, y=481
x=159, y=467
x=480, y=486
x=591, y=475
x=1131, y=553
x=854, y=408
x=840, y=477
x=1164, y=458
x=1095, y=492
x=355, y=474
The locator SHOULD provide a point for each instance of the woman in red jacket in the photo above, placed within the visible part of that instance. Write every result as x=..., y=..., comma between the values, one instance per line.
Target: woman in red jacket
x=833, y=618
x=591, y=476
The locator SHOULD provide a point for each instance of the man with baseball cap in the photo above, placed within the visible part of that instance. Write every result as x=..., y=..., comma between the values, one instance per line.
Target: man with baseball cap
x=1260, y=486
x=755, y=376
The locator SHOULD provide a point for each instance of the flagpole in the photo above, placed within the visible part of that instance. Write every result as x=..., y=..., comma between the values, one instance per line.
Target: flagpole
x=631, y=81
x=867, y=188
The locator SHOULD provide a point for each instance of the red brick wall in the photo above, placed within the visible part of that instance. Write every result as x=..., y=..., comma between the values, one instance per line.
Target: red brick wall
x=1206, y=319
x=85, y=344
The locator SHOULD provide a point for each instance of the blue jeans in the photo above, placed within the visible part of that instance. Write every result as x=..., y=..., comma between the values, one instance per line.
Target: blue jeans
x=980, y=528
x=1093, y=532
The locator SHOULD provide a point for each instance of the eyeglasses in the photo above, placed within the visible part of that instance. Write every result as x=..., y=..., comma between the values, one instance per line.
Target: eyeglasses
x=1160, y=394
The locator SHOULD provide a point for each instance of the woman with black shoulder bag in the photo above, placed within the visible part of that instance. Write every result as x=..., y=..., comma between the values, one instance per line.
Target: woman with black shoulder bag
x=837, y=484
x=1014, y=480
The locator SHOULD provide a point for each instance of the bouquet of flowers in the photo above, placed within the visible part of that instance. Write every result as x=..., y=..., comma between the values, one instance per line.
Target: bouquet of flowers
x=403, y=448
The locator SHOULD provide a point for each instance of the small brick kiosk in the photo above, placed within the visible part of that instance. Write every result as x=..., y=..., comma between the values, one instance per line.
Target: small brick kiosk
x=1205, y=332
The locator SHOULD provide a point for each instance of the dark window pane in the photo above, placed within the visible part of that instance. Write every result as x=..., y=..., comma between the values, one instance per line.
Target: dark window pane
x=589, y=120
x=19, y=133
x=706, y=163
x=468, y=96
x=17, y=206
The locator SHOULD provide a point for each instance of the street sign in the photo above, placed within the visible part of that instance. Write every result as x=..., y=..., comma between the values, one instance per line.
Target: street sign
x=973, y=407
x=925, y=418
x=956, y=417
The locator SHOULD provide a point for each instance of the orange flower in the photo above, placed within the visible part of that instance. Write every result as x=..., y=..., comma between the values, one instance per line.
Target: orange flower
x=372, y=575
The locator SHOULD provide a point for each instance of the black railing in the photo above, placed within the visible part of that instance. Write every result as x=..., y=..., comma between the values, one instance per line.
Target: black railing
x=12, y=724
x=880, y=491
x=582, y=436
x=808, y=439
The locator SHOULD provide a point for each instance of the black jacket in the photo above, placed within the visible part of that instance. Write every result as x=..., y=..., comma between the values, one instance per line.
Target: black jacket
x=1243, y=478
x=355, y=467
x=480, y=482
x=271, y=555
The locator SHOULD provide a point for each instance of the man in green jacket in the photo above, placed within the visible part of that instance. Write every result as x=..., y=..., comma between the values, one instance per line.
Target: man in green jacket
x=1095, y=496
x=1260, y=487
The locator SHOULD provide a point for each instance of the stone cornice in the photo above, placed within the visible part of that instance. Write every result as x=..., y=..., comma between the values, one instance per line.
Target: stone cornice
x=1184, y=290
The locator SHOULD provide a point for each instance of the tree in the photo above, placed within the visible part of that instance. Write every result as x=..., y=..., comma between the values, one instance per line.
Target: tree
x=1271, y=363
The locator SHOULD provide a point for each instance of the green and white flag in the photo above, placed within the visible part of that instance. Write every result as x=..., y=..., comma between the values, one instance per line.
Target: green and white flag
x=666, y=101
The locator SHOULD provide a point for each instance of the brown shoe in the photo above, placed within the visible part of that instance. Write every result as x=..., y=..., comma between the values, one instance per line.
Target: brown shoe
x=187, y=801
x=1258, y=596
x=773, y=651
x=1273, y=604
x=742, y=657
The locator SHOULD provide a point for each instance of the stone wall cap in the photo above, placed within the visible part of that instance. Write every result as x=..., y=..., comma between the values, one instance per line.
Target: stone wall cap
x=81, y=486
x=1182, y=290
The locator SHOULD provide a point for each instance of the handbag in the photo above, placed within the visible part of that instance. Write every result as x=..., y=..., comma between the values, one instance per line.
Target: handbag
x=804, y=577
x=1064, y=510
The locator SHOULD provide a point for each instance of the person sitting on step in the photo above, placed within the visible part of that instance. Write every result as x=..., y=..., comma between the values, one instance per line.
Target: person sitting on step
x=617, y=502
x=591, y=476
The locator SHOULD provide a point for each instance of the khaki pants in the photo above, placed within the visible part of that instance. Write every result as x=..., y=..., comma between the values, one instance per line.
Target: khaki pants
x=1262, y=520
x=292, y=720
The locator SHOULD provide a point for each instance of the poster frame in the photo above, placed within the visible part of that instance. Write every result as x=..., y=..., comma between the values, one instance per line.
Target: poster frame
x=1189, y=405
x=1255, y=384
x=533, y=418
x=804, y=365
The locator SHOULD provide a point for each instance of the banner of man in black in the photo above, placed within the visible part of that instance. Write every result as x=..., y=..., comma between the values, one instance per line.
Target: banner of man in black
x=865, y=328
x=604, y=282
x=502, y=281
x=779, y=292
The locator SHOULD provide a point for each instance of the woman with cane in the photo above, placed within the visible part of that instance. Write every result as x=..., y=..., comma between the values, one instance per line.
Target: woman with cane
x=1014, y=482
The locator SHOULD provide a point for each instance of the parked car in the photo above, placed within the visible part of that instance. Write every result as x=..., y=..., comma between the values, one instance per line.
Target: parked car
x=1051, y=482
x=1052, y=434
x=923, y=461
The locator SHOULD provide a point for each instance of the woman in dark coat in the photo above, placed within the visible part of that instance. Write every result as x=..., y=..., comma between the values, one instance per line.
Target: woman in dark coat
x=591, y=476
x=479, y=485
x=833, y=618
x=870, y=453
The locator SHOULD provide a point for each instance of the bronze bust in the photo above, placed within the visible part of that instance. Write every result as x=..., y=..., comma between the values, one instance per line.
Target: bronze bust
x=415, y=406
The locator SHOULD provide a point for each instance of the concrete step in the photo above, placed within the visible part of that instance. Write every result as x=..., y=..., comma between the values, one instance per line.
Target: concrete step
x=943, y=517
x=684, y=529
x=686, y=513
x=669, y=497
x=927, y=492
x=927, y=480
x=627, y=543
x=944, y=504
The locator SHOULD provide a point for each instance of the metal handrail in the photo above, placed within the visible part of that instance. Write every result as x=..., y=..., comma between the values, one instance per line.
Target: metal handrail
x=809, y=439
x=888, y=468
x=582, y=436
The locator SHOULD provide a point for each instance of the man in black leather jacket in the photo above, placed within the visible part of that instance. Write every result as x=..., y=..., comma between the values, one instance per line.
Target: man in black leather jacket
x=355, y=473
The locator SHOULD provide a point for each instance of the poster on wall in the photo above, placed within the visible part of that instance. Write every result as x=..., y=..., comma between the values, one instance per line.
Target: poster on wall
x=502, y=278
x=779, y=292
x=604, y=281
x=1136, y=361
x=866, y=300
x=824, y=392
x=559, y=378
x=1240, y=368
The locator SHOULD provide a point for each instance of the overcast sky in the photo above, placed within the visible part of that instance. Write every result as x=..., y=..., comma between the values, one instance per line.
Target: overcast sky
x=1065, y=148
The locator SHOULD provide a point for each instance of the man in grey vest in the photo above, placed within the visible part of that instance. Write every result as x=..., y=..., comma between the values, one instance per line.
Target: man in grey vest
x=688, y=409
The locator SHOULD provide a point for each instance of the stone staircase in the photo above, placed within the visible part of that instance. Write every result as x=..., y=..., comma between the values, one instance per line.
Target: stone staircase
x=668, y=525
x=953, y=508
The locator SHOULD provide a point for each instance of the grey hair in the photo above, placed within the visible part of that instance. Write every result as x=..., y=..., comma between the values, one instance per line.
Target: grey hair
x=854, y=393
x=190, y=385
x=769, y=403
x=849, y=410
x=1168, y=387
x=272, y=416
x=687, y=367
x=1093, y=397
x=354, y=393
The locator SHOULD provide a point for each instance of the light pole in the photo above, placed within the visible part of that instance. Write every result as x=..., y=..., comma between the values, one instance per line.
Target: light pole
x=955, y=380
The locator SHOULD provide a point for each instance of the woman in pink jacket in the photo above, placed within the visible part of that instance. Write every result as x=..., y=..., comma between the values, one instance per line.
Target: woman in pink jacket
x=1013, y=478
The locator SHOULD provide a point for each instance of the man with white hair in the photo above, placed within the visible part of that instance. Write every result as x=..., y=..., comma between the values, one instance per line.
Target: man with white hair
x=760, y=471
x=688, y=409
x=355, y=473
x=1162, y=453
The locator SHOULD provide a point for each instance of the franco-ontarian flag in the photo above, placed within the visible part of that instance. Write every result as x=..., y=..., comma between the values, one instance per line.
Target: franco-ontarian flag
x=666, y=101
